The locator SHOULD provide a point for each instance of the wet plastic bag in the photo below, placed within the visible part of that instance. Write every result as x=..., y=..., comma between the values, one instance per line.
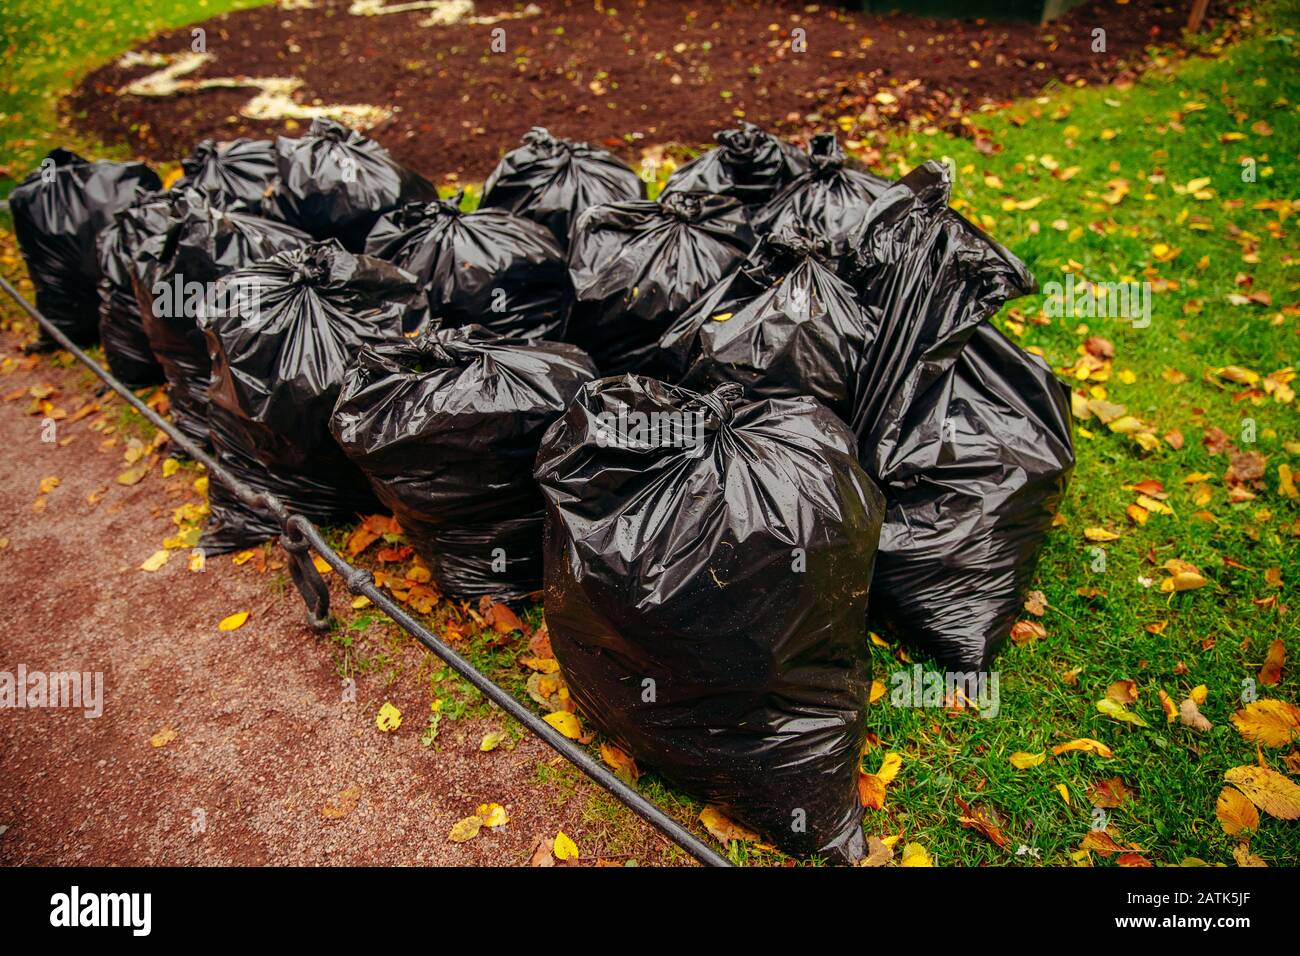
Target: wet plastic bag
x=638, y=266
x=447, y=428
x=59, y=211
x=492, y=267
x=551, y=181
x=748, y=164
x=335, y=183
x=784, y=325
x=175, y=275
x=830, y=200
x=233, y=175
x=126, y=347
x=281, y=335
x=707, y=562
x=967, y=435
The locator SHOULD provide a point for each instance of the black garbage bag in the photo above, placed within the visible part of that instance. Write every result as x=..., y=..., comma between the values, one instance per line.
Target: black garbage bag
x=637, y=266
x=59, y=211
x=707, y=562
x=175, y=273
x=830, y=199
x=491, y=267
x=749, y=164
x=281, y=337
x=126, y=347
x=335, y=183
x=447, y=429
x=233, y=175
x=551, y=181
x=967, y=435
x=784, y=325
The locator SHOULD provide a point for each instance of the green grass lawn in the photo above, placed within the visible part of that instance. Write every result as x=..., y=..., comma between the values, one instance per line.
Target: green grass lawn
x=1096, y=182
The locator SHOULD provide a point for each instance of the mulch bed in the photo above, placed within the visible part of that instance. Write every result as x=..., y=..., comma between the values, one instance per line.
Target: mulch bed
x=626, y=73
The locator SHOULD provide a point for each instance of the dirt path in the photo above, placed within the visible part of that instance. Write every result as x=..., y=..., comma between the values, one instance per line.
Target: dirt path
x=263, y=736
x=626, y=75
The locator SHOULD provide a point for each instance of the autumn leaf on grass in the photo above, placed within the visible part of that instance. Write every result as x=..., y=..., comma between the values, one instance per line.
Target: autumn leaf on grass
x=491, y=741
x=1190, y=715
x=1036, y=603
x=1099, y=535
x=1274, y=723
x=724, y=830
x=1122, y=691
x=871, y=786
x=163, y=737
x=466, y=829
x=501, y=619
x=975, y=819
x=1268, y=790
x=622, y=763
x=1023, y=761
x=1235, y=812
x=389, y=718
x=1085, y=745
x=234, y=622
x=1108, y=793
x=1182, y=576
x=878, y=852
x=566, y=723
x=915, y=855
x=1241, y=853
x=1119, y=712
x=343, y=804
x=1167, y=705
x=1022, y=632
x=1271, y=672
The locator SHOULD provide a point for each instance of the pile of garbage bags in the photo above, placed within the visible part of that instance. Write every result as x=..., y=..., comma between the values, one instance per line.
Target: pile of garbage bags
x=726, y=432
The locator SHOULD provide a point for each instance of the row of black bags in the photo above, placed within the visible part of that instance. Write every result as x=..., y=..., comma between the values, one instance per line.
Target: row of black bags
x=846, y=418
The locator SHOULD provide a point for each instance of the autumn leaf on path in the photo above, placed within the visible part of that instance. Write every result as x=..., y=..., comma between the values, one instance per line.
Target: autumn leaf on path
x=466, y=829
x=163, y=737
x=343, y=804
x=234, y=622
x=389, y=718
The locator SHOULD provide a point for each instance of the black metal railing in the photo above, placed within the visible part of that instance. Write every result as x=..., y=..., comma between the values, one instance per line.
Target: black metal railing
x=300, y=538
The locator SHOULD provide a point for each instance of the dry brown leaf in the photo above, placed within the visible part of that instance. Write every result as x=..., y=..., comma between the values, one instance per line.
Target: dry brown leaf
x=1267, y=789
x=1271, y=672
x=1235, y=812
x=1108, y=793
x=1085, y=745
x=723, y=829
x=343, y=804
x=1274, y=723
x=1191, y=716
x=1123, y=691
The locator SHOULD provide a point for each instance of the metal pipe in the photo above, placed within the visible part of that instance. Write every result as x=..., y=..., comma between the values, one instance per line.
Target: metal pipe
x=361, y=581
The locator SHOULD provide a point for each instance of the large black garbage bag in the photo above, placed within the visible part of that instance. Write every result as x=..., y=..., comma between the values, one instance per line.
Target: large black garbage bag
x=233, y=175
x=335, y=183
x=281, y=337
x=447, y=429
x=174, y=275
x=706, y=582
x=784, y=325
x=967, y=435
x=637, y=266
x=551, y=181
x=492, y=267
x=749, y=164
x=831, y=199
x=121, y=330
x=59, y=211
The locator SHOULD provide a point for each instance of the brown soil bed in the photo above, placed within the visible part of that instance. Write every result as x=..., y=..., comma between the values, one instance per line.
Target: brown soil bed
x=627, y=73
